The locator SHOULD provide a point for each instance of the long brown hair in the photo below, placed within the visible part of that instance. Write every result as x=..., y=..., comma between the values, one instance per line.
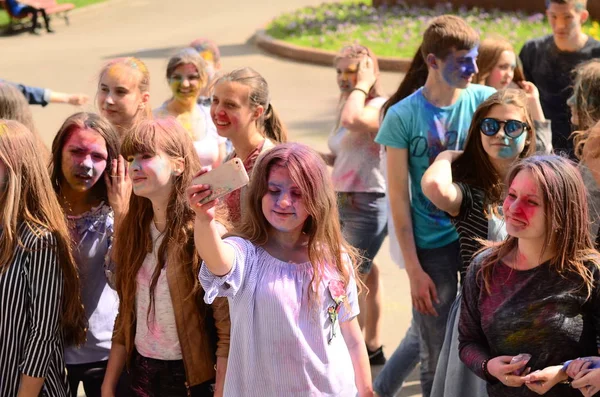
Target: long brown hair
x=566, y=212
x=133, y=240
x=269, y=123
x=586, y=92
x=415, y=78
x=474, y=167
x=490, y=50
x=326, y=245
x=94, y=122
x=28, y=199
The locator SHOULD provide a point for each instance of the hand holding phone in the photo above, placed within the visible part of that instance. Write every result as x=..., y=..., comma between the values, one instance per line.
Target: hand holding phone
x=518, y=358
x=223, y=180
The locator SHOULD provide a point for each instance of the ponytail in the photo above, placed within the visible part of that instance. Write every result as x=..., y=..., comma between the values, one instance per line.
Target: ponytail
x=273, y=127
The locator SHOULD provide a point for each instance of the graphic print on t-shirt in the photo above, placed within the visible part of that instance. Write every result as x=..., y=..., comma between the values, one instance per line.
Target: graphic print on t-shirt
x=425, y=131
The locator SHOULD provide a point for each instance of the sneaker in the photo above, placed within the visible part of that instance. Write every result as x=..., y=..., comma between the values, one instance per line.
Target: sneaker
x=376, y=357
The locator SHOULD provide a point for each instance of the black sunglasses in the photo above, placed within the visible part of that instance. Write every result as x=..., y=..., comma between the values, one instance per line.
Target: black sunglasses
x=512, y=128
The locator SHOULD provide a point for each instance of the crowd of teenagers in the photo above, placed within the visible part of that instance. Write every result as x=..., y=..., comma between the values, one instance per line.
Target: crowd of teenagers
x=483, y=167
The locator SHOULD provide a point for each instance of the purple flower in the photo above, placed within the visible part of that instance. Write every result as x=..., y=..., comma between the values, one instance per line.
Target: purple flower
x=536, y=18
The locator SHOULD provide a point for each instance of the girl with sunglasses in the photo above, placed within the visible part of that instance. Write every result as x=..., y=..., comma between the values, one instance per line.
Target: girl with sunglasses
x=469, y=186
x=499, y=67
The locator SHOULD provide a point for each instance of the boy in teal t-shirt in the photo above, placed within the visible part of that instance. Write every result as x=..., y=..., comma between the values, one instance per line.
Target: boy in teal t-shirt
x=414, y=131
x=426, y=130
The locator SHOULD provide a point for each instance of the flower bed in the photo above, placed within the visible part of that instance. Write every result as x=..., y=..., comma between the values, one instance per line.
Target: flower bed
x=397, y=31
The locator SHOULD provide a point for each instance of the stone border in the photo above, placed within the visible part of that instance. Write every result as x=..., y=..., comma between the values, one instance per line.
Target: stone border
x=317, y=56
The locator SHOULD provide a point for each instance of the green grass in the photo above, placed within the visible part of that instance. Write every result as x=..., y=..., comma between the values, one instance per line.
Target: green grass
x=397, y=31
x=4, y=19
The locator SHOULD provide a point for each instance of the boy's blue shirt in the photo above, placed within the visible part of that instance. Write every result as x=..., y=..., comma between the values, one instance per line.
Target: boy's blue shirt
x=426, y=130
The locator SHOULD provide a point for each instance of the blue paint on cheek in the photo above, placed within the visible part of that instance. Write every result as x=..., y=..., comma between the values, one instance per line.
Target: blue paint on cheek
x=469, y=67
x=514, y=148
x=450, y=70
x=469, y=62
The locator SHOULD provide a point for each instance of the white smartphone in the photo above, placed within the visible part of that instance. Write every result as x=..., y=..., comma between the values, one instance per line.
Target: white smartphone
x=224, y=179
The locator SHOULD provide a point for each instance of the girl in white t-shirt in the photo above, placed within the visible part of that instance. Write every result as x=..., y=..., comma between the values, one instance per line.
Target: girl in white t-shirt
x=187, y=76
x=358, y=179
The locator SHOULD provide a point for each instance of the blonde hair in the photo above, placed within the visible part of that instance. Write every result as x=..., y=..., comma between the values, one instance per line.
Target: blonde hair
x=142, y=74
x=586, y=90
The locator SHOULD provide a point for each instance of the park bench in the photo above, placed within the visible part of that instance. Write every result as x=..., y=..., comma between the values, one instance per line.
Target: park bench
x=50, y=6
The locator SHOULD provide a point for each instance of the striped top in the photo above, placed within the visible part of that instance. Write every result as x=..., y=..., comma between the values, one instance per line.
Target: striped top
x=279, y=340
x=31, y=342
x=473, y=224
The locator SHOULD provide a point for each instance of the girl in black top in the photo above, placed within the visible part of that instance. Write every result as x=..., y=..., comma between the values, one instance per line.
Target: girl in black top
x=468, y=186
x=536, y=292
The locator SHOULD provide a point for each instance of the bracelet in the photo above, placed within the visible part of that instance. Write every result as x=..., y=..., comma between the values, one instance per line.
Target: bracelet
x=359, y=89
x=484, y=368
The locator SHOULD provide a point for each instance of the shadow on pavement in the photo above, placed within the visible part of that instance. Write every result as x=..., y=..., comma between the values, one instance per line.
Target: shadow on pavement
x=227, y=50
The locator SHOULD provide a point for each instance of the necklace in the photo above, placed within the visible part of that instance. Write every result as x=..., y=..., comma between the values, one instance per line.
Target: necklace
x=67, y=206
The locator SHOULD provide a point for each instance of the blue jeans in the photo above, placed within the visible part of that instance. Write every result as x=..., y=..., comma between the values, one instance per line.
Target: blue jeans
x=424, y=339
x=363, y=217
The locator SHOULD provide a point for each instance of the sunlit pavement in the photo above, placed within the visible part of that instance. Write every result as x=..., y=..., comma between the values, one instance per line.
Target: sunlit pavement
x=304, y=95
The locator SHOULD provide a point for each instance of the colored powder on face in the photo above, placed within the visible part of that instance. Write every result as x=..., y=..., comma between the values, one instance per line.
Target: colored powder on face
x=513, y=148
x=468, y=64
x=123, y=75
x=174, y=84
x=207, y=56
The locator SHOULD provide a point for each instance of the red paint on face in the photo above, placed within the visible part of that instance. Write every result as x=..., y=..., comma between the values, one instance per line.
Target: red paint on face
x=230, y=109
x=524, y=207
x=84, y=159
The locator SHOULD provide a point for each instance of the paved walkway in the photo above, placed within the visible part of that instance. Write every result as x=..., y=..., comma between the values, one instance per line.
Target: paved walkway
x=305, y=95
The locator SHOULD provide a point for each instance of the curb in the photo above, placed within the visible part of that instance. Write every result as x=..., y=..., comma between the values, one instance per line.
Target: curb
x=317, y=56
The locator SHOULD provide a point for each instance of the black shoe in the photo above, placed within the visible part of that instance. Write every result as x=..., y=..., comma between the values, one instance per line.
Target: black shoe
x=35, y=32
x=50, y=30
x=376, y=357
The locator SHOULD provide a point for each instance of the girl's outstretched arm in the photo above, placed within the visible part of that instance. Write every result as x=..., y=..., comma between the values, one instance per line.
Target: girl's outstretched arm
x=217, y=255
x=358, y=353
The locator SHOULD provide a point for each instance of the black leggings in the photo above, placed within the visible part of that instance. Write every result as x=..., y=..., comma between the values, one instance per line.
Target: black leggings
x=158, y=378
x=92, y=376
x=34, y=16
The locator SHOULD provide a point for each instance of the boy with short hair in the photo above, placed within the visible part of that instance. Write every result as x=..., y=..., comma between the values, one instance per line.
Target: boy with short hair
x=548, y=62
x=415, y=130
